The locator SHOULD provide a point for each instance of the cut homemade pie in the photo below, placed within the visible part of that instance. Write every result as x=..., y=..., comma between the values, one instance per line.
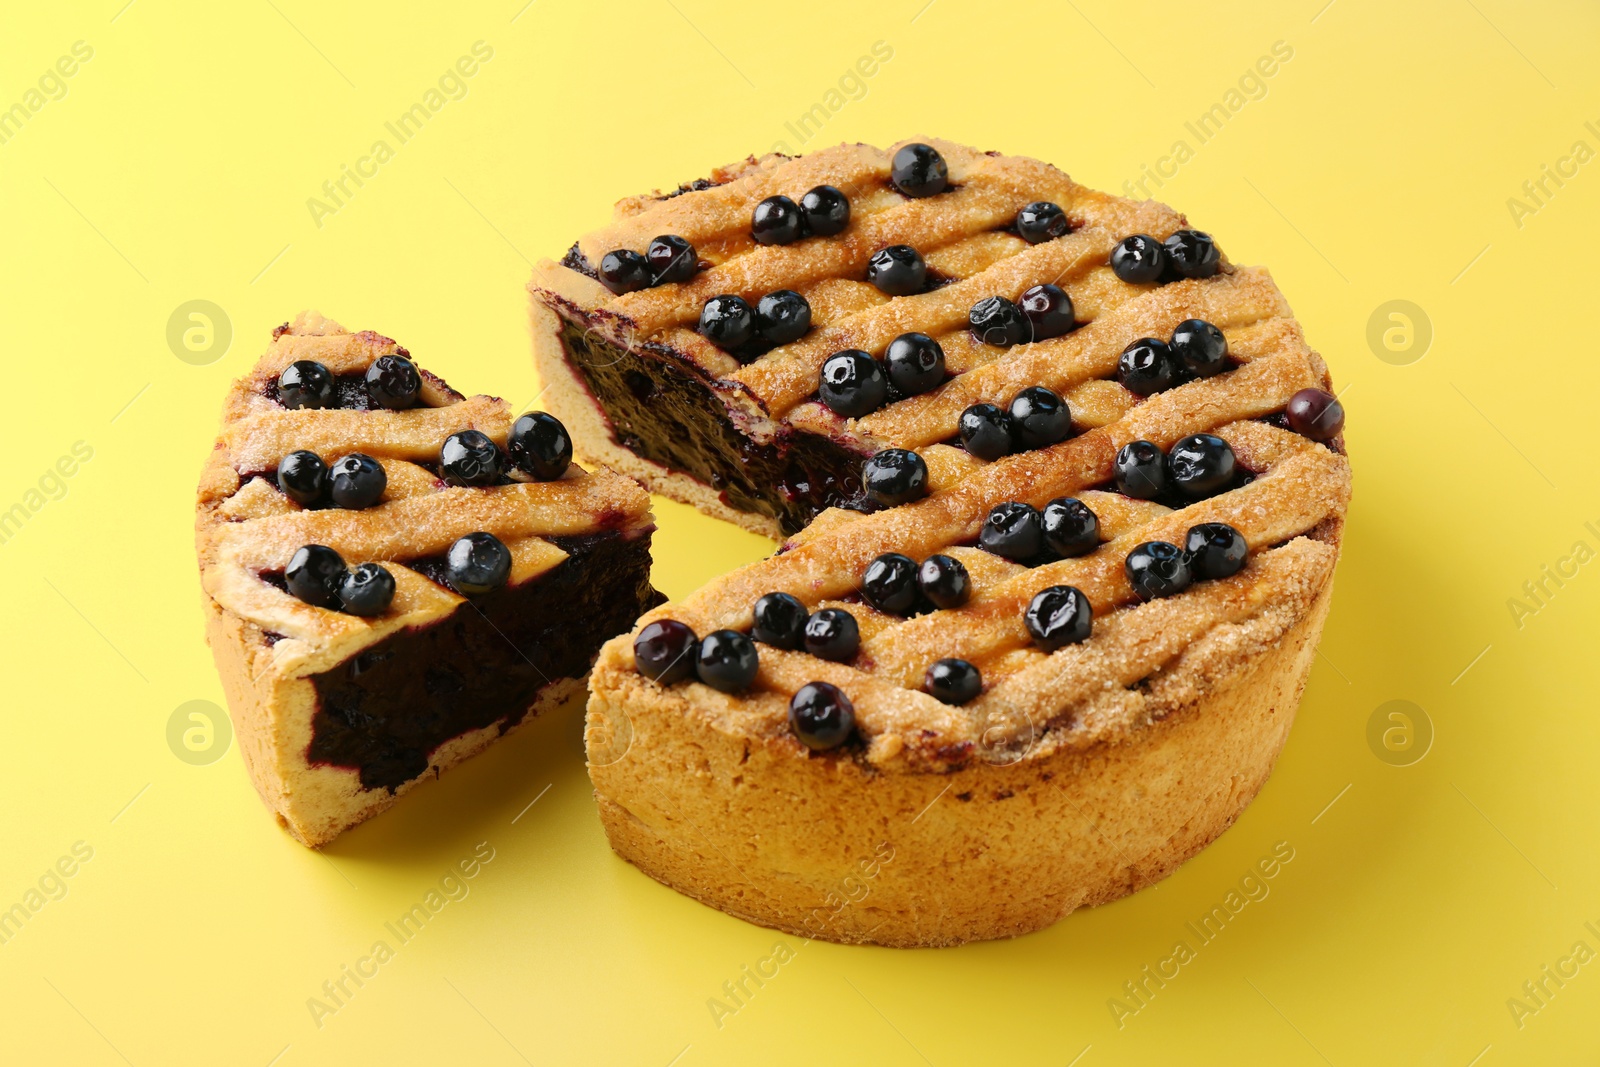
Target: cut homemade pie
x=396, y=575
x=1065, y=490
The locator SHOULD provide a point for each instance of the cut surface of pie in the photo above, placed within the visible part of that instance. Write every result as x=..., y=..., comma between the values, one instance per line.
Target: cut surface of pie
x=339, y=712
x=998, y=765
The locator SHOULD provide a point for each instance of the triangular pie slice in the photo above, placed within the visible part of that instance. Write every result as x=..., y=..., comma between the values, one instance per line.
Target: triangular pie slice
x=1092, y=704
x=346, y=692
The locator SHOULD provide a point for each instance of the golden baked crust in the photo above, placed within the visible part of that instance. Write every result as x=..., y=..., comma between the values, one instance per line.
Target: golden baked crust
x=1156, y=730
x=268, y=644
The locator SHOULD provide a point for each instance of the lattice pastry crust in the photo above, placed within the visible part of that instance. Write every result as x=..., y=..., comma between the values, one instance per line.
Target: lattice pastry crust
x=268, y=643
x=1077, y=775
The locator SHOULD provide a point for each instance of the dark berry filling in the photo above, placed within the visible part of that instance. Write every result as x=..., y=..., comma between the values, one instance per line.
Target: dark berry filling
x=661, y=410
x=385, y=710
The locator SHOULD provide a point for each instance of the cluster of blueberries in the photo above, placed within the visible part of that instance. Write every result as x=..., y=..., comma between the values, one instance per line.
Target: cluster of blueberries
x=1195, y=467
x=667, y=259
x=729, y=322
x=821, y=716
x=317, y=575
x=852, y=383
x=1036, y=418
x=1149, y=365
x=1141, y=259
x=392, y=382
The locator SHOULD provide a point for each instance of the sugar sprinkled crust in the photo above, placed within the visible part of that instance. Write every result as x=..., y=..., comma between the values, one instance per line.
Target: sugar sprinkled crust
x=1215, y=671
x=268, y=644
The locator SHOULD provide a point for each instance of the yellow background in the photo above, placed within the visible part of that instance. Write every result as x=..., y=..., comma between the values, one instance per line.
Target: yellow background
x=1376, y=167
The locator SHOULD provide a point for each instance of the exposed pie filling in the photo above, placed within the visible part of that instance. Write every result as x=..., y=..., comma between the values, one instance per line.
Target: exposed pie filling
x=661, y=413
x=385, y=710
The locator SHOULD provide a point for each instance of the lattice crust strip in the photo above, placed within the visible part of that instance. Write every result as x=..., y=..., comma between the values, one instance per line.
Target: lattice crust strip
x=247, y=528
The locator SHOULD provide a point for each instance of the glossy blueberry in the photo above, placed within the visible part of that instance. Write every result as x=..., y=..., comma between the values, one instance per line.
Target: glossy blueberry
x=303, y=477
x=1191, y=254
x=469, y=457
x=1039, y=417
x=832, y=633
x=727, y=661
x=1157, y=569
x=1147, y=366
x=916, y=363
x=1057, y=617
x=1215, y=550
x=821, y=716
x=356, y=481
x=1014, y=530
x=919, y=170
x=895, y=476
x=478, y=563
x=1200, y=347
x=782, y=316
x=944, y=581
x=366, y=590
x=665, y=651
x=1138, y=259
x=540, y=446
x=1141, y=470
x=897, y=270
x=777, y=221
x=1315, y=414
x=780, y=621
x=987, y=432
x=952, y=681
x=305, y=383
x=1200, y=465
x=994, y=320
x=890, y=584
x=1041, y=221
x=672, y=259
x=393, y=382
x=728, y=322
x=313, y=575
x=1070, y=527
x=1048, y=310
x=852, y=383
x=625, y=271
x=826, y=211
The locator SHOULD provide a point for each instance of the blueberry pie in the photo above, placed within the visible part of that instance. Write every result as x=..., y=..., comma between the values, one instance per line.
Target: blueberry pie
x=394, y=574
x=1063, y=490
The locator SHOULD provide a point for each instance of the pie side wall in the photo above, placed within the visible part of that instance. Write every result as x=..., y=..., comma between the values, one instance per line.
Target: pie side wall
x=763, y=833
x=272, y=720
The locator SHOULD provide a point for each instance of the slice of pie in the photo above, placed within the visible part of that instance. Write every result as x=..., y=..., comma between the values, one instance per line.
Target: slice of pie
x=1066, y=490
x=396, y=575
